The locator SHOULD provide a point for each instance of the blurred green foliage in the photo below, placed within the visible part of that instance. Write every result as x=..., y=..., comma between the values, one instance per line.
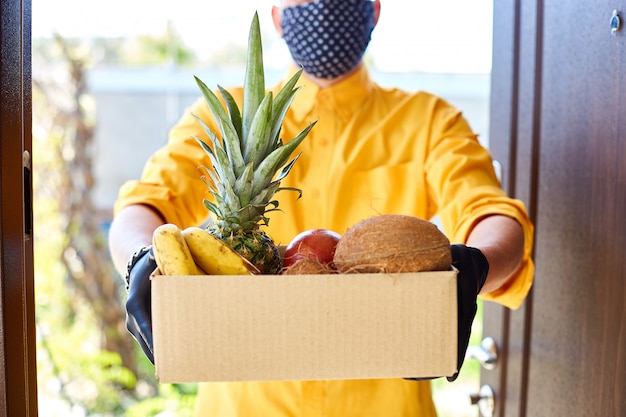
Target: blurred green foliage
x=75, y=376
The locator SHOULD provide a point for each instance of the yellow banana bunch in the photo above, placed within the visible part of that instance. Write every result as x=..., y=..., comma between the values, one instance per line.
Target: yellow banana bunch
x=171, y=252
x=214, y=256
x=194, y=251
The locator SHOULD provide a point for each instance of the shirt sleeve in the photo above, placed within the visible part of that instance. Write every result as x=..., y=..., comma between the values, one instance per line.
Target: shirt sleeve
x=463, y=184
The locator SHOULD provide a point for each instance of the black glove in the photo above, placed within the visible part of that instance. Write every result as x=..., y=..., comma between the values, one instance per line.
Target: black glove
x=139, y=302
x=473, y=268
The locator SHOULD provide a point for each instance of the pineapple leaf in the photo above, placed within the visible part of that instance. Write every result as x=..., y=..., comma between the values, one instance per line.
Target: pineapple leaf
x=266, y=194
x=282, y=102
x=269, y=207
x=220, y=162
x=222, y=166
x=278, y=113
x=295, y=142
x=206, y=147
x=266, y=170
x=214, y=103
x=213, y=160
x=277, y=141
x=231, y=145
x=257, y=141
x=230, y=138
x=229, y=198
x=233, y=111
x=254, y=81
x=214, y=140
x=297, y=190
x=219, y=157
x=287, y=168
x=248, y=215
x=243, y=185
x=213, y=208
x=213, y=178
x=287, y=90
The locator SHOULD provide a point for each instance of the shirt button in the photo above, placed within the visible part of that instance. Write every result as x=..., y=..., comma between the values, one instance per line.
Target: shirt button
x=315, y=193
x=323, y=142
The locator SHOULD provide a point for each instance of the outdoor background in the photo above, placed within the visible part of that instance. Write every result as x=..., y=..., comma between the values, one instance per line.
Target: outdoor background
x=109, y=80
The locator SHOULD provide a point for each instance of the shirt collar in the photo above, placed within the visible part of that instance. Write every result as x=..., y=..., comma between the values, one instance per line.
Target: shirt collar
x=345, y=97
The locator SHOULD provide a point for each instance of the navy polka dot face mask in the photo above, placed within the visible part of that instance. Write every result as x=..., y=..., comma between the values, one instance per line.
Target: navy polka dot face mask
x=328, y=37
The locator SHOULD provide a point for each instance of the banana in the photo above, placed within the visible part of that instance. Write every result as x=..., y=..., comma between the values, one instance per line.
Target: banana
x=214, y=256
x=171, y=252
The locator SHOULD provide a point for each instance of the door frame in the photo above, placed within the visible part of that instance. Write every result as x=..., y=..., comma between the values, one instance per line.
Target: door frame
x=18, y=373
x=514, y=141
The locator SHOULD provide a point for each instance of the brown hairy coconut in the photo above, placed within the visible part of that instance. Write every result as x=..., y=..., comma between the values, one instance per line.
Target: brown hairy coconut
x=393, y=243
x=308, y=266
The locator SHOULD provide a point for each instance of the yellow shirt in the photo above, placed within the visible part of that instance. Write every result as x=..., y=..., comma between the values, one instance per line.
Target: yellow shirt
x=372, y=151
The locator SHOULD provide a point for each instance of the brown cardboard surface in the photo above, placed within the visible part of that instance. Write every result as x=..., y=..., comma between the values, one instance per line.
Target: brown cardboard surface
x=305, y=327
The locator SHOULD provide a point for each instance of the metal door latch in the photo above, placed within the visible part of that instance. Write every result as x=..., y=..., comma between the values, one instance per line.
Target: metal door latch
x=485, y=399
x=28, y=195
x=486, y=353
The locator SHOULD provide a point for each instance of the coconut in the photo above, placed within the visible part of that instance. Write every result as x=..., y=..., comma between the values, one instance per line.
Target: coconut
x=393, y=243
x=308, y=266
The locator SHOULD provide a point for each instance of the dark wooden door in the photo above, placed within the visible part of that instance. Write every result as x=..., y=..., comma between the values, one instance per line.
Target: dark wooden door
x=18, y=375
x=559, y=129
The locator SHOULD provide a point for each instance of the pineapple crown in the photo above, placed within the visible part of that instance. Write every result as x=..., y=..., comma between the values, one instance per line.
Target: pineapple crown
x=250, y=153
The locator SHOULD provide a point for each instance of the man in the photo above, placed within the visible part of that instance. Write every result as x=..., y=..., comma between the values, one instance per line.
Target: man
x=372, y=151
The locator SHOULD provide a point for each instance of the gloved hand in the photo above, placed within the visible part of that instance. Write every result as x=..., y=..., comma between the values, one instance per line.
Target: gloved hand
x=473, y=268
x=139, y=302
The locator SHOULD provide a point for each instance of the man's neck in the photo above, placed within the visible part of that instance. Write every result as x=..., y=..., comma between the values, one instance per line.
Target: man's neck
x=328, y=82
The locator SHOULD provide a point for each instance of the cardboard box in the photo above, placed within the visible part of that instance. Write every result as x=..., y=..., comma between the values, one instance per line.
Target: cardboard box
x=304, y=327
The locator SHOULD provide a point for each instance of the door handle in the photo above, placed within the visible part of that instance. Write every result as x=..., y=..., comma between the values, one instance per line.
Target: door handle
x=485, y=399
x=486, y=354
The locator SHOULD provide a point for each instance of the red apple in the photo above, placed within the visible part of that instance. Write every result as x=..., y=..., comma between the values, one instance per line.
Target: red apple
x=316, y=244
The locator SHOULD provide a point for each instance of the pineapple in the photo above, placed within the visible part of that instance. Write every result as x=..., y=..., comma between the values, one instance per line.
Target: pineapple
x=249, y=160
